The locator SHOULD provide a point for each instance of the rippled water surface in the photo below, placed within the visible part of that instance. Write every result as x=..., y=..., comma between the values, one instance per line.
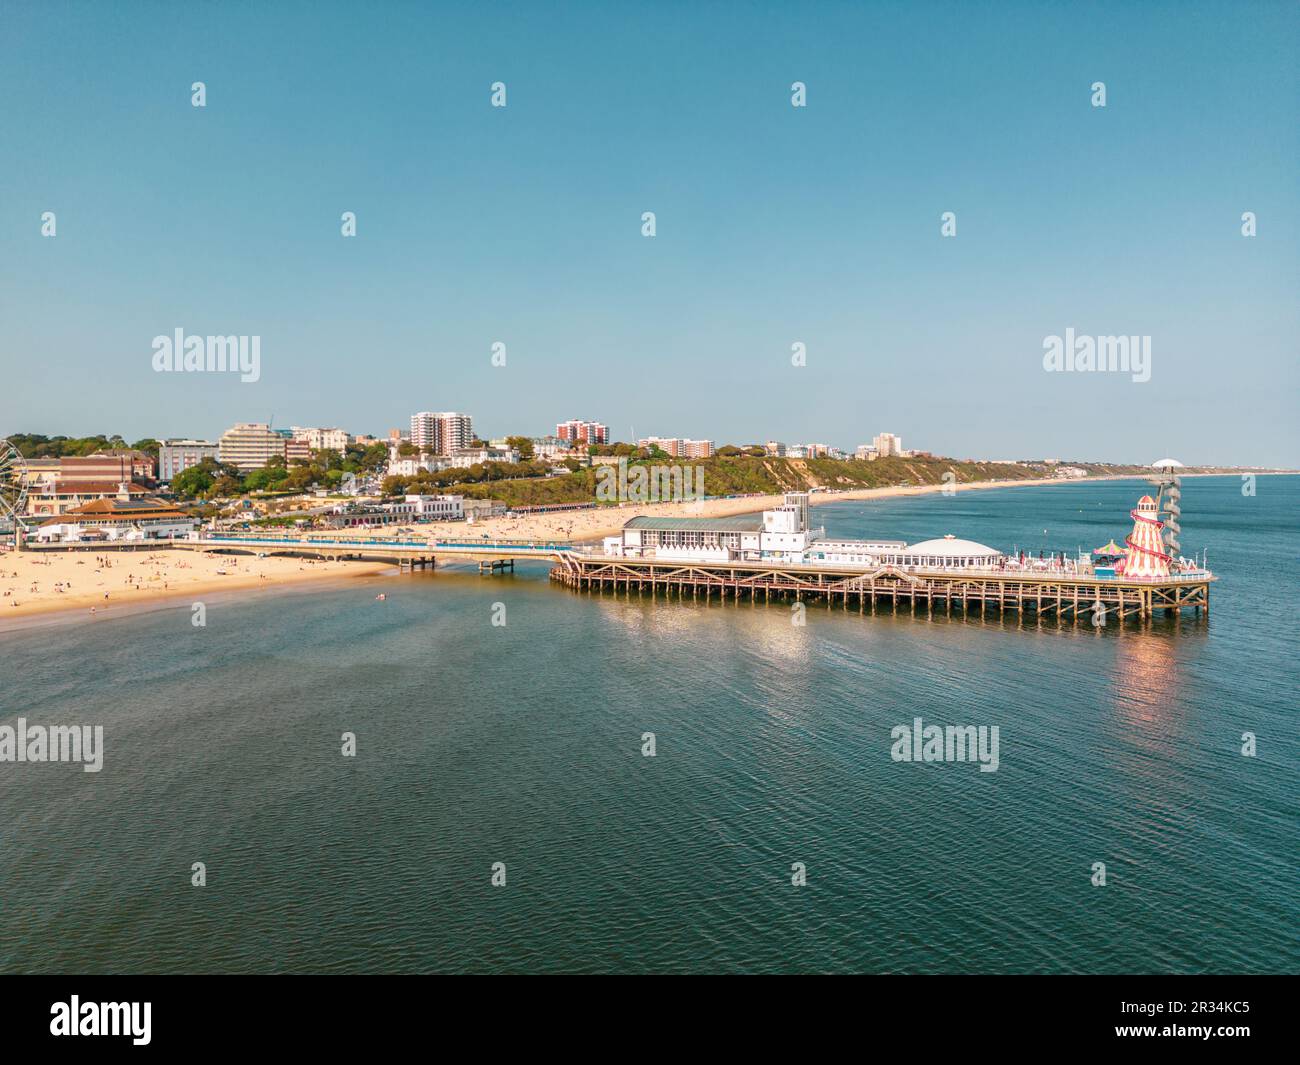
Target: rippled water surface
x=522, y=744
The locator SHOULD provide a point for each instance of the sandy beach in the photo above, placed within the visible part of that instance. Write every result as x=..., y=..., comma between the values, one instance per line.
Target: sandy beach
x=108, y=582
x=98, y=583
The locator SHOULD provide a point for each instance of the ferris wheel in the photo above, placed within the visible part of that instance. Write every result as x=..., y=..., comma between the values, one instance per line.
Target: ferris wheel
x=13, y=485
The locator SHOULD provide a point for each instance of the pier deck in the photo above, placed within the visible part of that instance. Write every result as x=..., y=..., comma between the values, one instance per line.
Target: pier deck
x=1065, y=595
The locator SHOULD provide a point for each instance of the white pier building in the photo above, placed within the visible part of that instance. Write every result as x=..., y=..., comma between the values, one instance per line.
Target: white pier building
x=784, y=534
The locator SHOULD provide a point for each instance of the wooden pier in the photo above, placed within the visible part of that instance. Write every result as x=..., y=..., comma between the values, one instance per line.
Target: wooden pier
x=1067, y=596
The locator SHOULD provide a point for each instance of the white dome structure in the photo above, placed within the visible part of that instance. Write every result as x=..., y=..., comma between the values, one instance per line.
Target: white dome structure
x=951, y=547
x=1165, y=464
x=947, y=552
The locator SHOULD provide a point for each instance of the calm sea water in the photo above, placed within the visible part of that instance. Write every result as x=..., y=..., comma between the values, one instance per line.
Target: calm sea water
x=522, y=744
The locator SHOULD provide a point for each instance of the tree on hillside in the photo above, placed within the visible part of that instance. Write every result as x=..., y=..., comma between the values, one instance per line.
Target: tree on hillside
x=36, y=446
x=149, y=446
x=225, y=486
x=270, y=476
x=523, y=445
x=192, y=482
x=301, y=477
x=375, y=456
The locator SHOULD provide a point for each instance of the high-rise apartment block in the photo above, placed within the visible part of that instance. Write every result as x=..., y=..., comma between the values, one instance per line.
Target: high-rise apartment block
x=251, y=445
x=579, y=432
x=441, y=433
x=888, y=444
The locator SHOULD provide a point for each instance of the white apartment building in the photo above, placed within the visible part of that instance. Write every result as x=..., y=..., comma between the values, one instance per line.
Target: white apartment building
x=806, y=451
x=411, y=465
x=442, y=432
x=457, y=432
x=424, y=430
x=412, y=509
x=322, y=439
x=464, y=458
x=430, y=508
x=177, y=455
x=678, y=447
x=250, y=445
x=546, y=448
x=888, y=444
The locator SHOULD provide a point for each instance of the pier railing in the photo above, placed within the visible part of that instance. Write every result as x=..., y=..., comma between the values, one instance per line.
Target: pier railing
x=381, y=543
x=1050, y=571
x=1064, y=594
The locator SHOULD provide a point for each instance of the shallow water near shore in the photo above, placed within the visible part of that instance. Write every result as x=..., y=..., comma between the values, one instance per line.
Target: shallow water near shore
x=522, y=744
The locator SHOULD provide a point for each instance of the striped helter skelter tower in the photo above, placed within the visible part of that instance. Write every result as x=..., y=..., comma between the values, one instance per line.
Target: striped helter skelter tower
x=1146, y=555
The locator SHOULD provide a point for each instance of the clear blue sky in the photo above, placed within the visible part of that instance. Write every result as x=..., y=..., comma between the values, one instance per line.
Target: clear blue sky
x=775, y=224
